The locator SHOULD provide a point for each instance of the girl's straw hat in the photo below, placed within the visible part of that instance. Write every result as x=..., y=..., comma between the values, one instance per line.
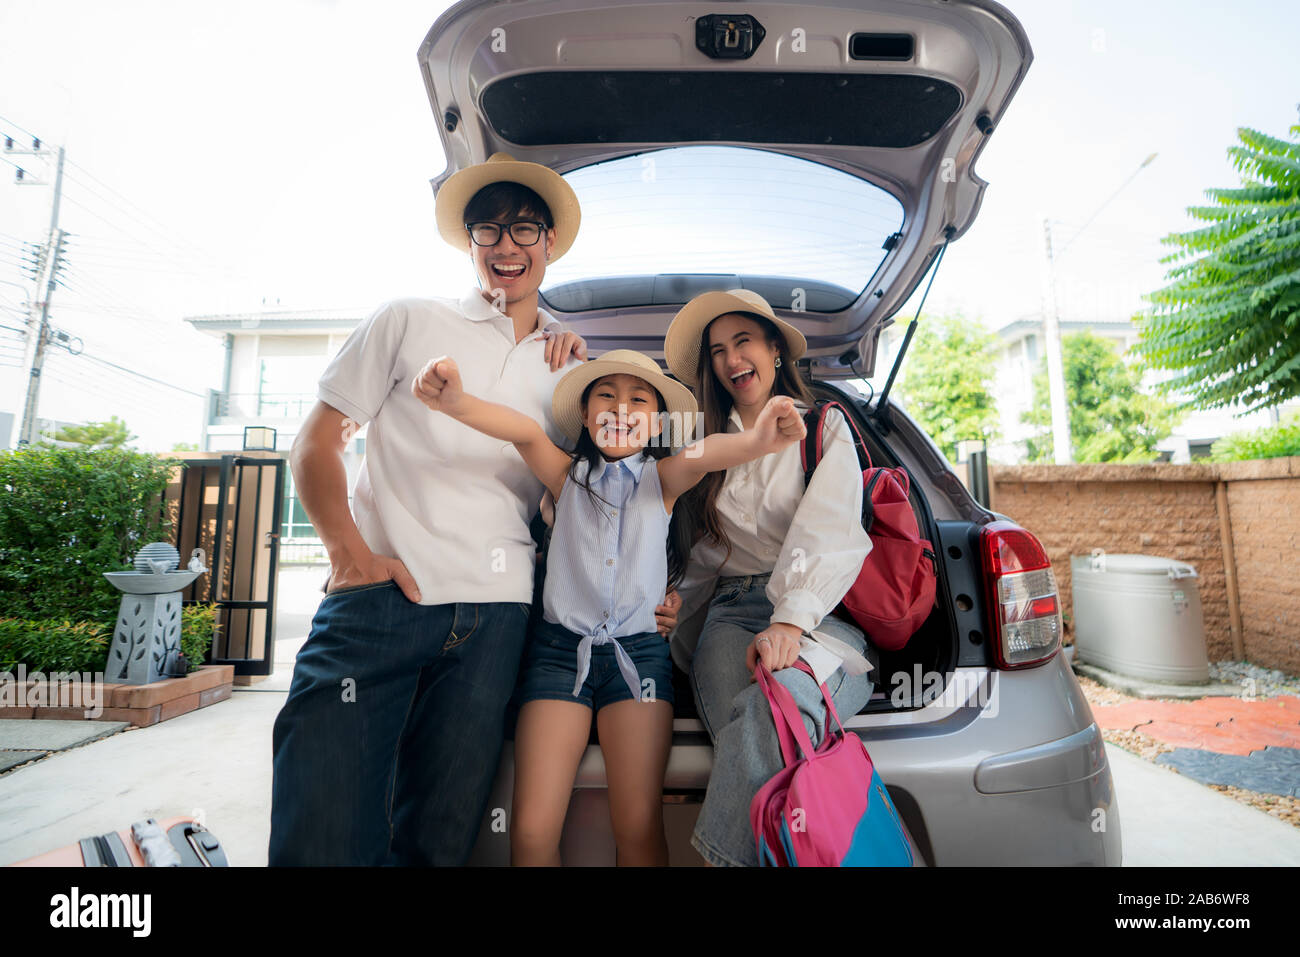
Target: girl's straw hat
x=566, y=403
x=454, y=195
x=686, y=332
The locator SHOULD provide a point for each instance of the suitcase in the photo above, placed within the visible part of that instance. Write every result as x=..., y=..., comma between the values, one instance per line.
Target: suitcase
x=173, y=842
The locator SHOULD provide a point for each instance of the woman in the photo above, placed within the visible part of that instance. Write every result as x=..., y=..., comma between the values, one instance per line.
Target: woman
x=770, y=561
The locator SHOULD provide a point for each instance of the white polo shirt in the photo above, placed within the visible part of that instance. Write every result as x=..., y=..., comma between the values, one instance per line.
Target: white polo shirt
x=452, y=503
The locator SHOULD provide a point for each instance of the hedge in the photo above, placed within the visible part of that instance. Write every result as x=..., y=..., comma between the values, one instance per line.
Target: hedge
x=66, y=517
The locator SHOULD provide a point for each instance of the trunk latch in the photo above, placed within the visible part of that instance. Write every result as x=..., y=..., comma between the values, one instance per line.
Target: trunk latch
x=728, y=37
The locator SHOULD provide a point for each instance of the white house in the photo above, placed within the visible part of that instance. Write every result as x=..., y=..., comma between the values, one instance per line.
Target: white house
x=273, y=361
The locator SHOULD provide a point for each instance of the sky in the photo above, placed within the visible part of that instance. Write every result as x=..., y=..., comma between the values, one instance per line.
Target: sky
x=242, y=156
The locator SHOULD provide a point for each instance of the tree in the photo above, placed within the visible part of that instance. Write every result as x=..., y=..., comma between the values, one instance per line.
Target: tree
x=1229, y=321
x=1110, y=419
x=112, y=434
x=1267, y=443
x=185, y=447
x=946, y=379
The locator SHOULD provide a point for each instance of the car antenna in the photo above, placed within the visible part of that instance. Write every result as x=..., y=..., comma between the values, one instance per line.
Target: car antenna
x=882, y=405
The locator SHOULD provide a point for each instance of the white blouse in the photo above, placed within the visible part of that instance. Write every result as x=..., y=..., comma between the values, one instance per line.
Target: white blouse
x=813, y=544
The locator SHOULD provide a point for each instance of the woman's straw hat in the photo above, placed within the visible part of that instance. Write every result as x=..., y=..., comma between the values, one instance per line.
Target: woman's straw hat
x=566, y=403
x=454, y=195
x=686, y=333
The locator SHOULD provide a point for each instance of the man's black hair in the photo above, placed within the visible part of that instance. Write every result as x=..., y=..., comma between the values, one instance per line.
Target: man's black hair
x=506, y=202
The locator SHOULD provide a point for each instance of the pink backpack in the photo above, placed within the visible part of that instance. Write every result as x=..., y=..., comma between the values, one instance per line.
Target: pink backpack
x=828, y=808
x=894, y=591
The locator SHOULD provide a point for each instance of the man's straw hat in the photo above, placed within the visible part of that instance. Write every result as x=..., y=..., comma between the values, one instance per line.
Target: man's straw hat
x=454, y=195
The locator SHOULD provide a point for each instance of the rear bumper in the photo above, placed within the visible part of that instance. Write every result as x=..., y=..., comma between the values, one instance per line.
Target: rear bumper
x=973, y=778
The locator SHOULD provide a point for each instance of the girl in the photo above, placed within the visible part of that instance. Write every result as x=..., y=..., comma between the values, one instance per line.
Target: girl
x=597, y=649
x=772, y=561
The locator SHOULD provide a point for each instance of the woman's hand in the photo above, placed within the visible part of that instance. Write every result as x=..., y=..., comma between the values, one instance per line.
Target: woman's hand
x=778, y=424
x=778, y=647
x=666, y=614
x=438, y=385
x=560, y=346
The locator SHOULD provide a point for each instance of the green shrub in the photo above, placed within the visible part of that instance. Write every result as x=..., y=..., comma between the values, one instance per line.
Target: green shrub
x=51, y=645
x=1267, y=443
x=66, y=517
x=198, y=628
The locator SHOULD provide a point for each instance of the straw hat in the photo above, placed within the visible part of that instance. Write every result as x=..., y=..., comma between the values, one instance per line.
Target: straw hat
x=686, y=332
x=454, y=195
x=566, y=403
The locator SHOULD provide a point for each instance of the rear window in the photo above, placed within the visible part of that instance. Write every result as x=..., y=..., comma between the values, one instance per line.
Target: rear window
x=661, y=226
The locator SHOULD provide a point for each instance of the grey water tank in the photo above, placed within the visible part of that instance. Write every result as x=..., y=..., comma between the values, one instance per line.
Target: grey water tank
x=1139, y=615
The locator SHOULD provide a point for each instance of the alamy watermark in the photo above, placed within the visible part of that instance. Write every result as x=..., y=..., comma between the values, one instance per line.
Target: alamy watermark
x=964, y=688
x=60, y=689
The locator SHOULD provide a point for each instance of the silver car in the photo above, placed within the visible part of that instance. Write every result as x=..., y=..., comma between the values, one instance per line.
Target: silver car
x=821, y=154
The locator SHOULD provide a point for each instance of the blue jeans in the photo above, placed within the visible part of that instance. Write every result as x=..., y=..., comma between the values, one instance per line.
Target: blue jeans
x=385, y=751
x=746, y=753
x=551, y=668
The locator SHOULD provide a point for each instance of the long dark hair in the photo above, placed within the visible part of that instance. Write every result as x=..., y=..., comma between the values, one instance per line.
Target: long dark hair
x=679, y=541
x=700, y=503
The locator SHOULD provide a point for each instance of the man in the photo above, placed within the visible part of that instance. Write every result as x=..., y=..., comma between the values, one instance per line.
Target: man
x=387, y=745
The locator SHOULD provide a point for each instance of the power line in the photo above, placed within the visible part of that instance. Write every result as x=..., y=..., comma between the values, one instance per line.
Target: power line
x=126, y=209
x=25, y=132
x=141, y=375
x=111, y=382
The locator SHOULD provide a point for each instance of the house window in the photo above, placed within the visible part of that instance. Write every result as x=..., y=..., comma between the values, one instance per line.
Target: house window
x=1031, y=348
x=296, y=524
x=287, y=385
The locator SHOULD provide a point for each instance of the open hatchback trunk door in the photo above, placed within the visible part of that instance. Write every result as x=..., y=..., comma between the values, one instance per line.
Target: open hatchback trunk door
x=817, y=153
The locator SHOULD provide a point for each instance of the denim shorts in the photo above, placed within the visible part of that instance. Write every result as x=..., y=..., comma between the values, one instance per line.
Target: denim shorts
x=551, y=668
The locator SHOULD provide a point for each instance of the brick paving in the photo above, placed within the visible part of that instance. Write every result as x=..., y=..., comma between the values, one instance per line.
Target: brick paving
x=1249, y=749
x=1222, y=725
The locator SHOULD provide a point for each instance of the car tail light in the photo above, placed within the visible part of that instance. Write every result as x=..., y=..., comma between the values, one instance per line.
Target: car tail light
x=1024, y=608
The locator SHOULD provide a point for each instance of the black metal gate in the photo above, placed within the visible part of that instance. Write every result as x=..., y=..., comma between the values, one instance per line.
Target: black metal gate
x=230, y=505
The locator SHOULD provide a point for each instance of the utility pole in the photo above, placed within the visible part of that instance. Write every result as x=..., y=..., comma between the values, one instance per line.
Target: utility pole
x=1061, y=453
x=53, y=252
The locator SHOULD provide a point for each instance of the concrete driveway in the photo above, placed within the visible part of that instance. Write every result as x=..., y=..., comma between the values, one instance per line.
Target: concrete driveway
x=216, y=762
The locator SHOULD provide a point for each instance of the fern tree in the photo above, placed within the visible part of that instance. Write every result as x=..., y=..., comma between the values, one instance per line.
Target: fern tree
x=1229, y=321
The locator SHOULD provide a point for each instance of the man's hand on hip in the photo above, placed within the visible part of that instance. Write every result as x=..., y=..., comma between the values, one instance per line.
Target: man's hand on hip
x=370, y=570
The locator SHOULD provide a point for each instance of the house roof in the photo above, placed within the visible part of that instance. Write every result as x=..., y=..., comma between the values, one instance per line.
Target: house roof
x=280, y=321
x=1033, y=323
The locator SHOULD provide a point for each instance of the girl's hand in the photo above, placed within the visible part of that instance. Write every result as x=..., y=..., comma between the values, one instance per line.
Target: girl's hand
x=779, y=424
x=438, y=385
x=778, y=647
x=562, y=345
x=666, y=614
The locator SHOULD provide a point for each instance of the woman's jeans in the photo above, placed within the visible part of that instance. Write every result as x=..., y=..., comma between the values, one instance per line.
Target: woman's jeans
x=735, y=712
x=385, y=751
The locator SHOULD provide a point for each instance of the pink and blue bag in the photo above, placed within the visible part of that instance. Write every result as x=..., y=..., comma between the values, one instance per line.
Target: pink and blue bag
x=829, y=807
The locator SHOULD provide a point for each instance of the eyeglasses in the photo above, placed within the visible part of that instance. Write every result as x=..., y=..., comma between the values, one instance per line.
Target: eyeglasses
x=524, y=233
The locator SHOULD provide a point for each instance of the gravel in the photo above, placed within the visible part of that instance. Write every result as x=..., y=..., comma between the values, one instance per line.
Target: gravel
x=1267, y=682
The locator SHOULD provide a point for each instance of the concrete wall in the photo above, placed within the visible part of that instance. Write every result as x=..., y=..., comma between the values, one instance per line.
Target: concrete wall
x=1244, y=540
